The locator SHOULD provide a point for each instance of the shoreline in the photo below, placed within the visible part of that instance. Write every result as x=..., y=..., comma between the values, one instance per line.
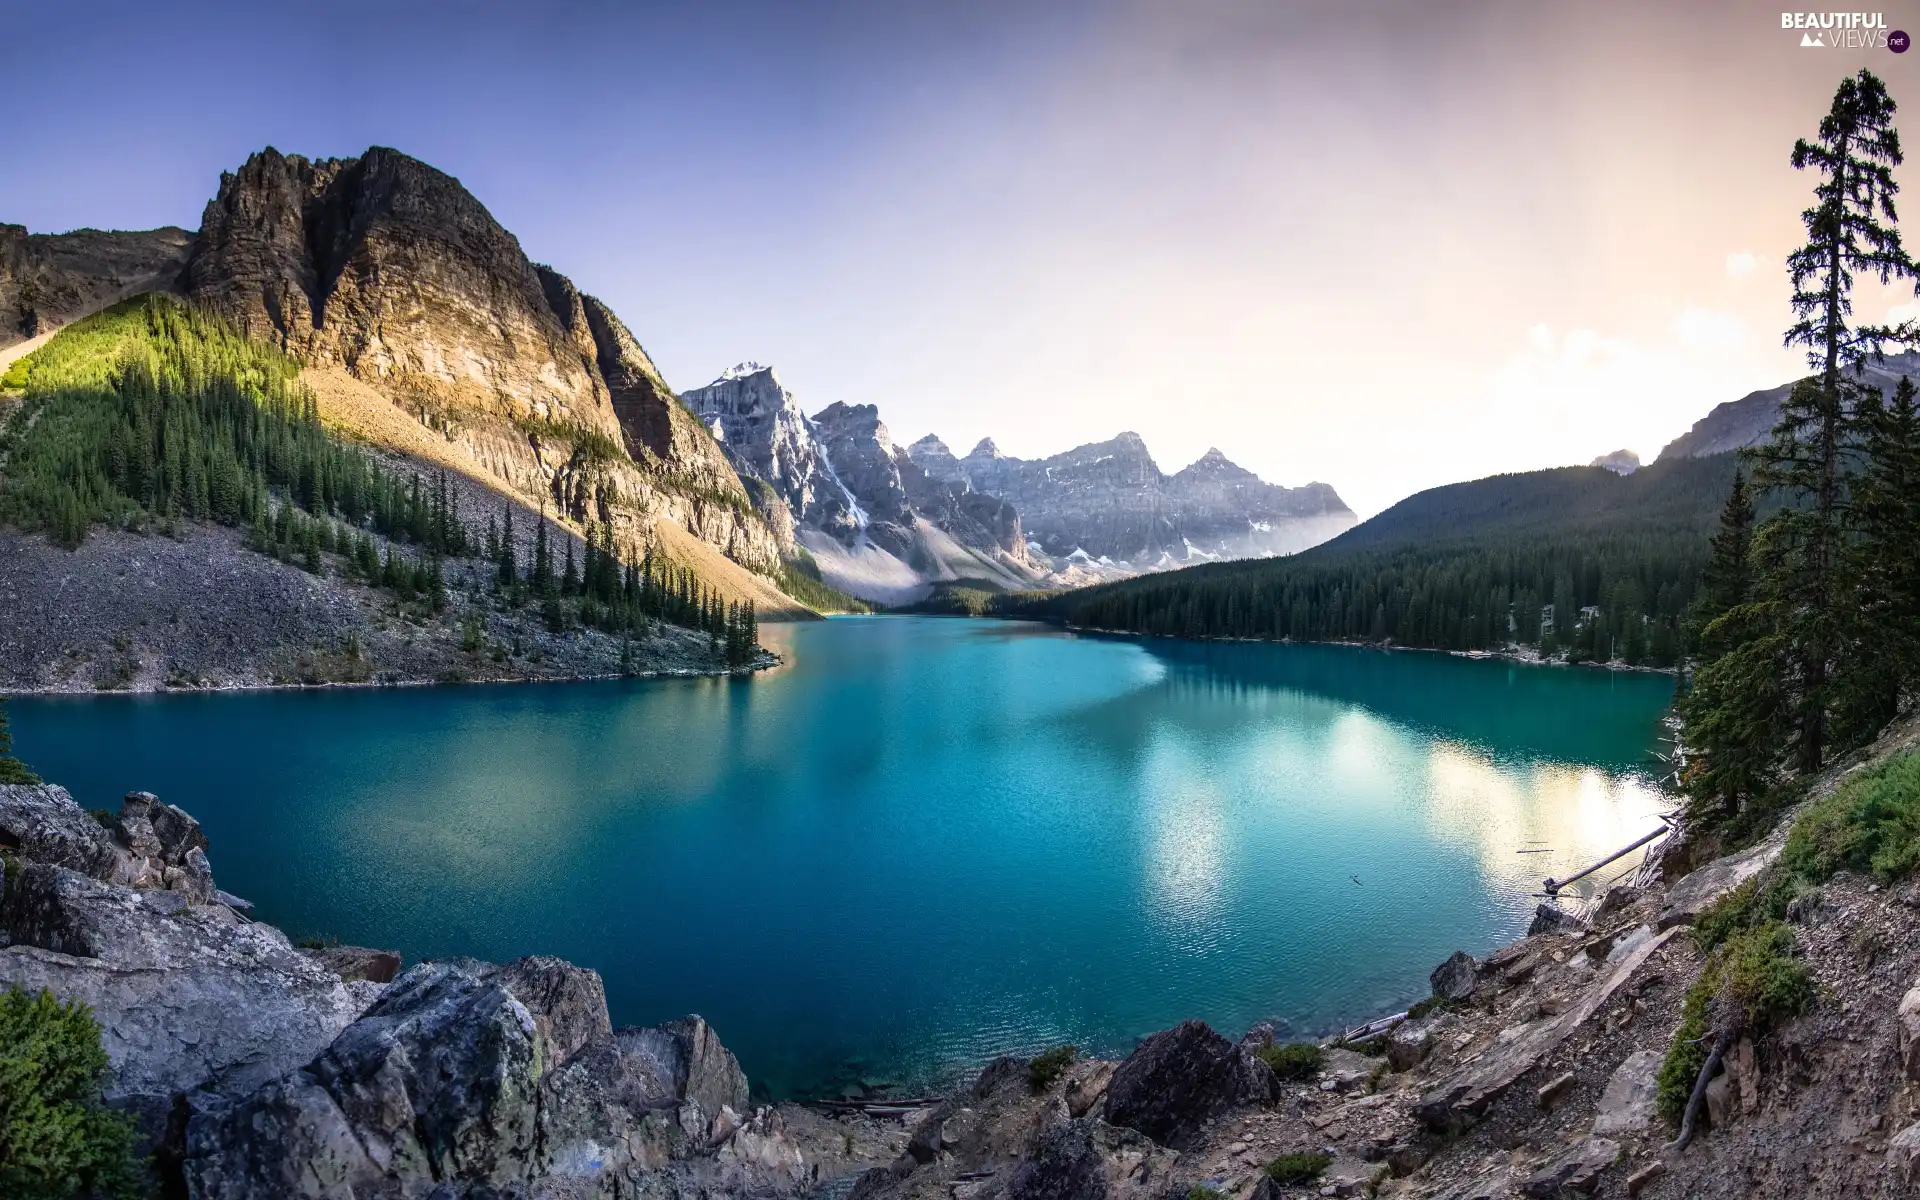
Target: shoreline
x=773, y=661
x=1518, y=656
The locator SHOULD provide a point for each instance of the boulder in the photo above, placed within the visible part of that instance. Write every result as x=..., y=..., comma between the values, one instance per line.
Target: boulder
x=1180, y=1080
x=1626, y=1104
x=357, y=963
x=1089, y=1159
x=186, y=995
x=166, y=848
x=1719, y=1101
x=1909, y=1032
x=1693, y=895
x=439, y=1081
x=1552, y=919
x=1408, y=1044
x=1576, y=1170
x=569, y=1007
x=1903, y=1156
x=1343, y=1070
x=683, y=1061
x=1456, y=978
x=41, y=823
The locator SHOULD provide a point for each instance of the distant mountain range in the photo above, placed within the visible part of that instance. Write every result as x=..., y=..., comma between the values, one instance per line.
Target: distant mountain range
x=885, y=522
x=425, y=330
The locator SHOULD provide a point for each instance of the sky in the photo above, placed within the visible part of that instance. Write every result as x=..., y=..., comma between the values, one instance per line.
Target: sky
x=1381, y=245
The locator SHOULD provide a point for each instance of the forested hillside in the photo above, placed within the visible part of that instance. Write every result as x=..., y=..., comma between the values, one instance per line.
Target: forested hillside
x=156, y=417
x=1576, y=559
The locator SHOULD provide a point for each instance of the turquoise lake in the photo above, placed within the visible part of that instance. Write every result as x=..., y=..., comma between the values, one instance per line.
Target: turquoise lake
x=922, y=842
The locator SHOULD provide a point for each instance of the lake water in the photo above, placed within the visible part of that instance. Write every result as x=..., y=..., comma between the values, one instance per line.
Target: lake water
x=924, y=841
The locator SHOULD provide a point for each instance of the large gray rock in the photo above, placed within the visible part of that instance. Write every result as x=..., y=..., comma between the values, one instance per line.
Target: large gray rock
x=1180, y=1080
x=1693, y=895
x=466, y=1080
x=1091, y=1160
x=1627, y=1104
x=41, y=823
x=1456, y=978
x=187, y=995
x=684, y=1061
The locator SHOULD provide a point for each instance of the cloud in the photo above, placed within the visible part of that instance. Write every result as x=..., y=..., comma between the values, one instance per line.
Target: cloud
x=1741, y=264
x=1571, y=395
x=1910, y=311
x=1708, y=329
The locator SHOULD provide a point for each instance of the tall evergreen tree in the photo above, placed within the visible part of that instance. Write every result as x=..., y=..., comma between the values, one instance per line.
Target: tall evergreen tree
x=1850, y=230
x=1885, y=658
x=1727, y=581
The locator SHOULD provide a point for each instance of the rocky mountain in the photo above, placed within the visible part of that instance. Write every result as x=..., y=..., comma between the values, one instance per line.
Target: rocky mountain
x=48, y=280
x=876, y=523
x=1749, y=420
x=1620, y=462
x=1108, y=503
x=388, y=272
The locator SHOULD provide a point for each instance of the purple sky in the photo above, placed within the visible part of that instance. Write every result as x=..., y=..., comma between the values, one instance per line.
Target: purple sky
x=1386, y=246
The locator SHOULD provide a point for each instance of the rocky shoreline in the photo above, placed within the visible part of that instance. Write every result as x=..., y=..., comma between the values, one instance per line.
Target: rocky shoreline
x=259, y=1069
x=140, y=612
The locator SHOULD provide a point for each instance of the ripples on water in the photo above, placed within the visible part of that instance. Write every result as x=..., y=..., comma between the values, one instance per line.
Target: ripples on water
x=923, y=842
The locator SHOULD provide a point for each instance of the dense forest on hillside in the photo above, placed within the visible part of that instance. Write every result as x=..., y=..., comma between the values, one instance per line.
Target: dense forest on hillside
x=154, y=413
x=1576, y=559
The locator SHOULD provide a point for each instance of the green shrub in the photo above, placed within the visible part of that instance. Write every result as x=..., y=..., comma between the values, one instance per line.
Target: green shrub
x=57, y=1139
x=1294, y=1061
x=1050, y=1065
x=16, y=377
x=1201, y=1191
x=1297, y=1168
x=1758, y=981
x=1871, y=823
x=1687, y=1054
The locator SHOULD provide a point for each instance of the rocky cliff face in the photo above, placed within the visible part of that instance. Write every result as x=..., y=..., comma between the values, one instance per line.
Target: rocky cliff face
x=389, y=270
x=878, y=525
x=1109, y=500
x=766, y=436
x=49, y=280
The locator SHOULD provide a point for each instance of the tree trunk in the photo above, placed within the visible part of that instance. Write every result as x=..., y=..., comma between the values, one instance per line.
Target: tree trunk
x=1690, y=1121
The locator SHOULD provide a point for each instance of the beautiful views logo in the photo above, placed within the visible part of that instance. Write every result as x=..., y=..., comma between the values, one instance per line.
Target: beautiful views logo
x=1845, y=31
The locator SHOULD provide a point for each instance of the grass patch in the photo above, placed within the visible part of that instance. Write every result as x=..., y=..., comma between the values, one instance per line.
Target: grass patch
x=1293, y=1061
x=57, y=1137
x=1292, y=1169
x=1870, y=824
x=1201, y=1191
x=1050, y=1065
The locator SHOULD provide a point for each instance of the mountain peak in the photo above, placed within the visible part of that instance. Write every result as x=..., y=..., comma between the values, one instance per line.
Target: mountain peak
x=929, y=444
x=742, y=370
x=985, y=448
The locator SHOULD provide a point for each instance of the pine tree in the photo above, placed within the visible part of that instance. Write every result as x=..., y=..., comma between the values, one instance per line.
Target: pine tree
x=1736, y=709
x=1850, y=229
x=1884, y=663
x=1727, y=581
x=541, y=576
x=509, y=570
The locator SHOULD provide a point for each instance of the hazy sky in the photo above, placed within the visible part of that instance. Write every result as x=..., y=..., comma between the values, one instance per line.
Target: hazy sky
x=1382, y=245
